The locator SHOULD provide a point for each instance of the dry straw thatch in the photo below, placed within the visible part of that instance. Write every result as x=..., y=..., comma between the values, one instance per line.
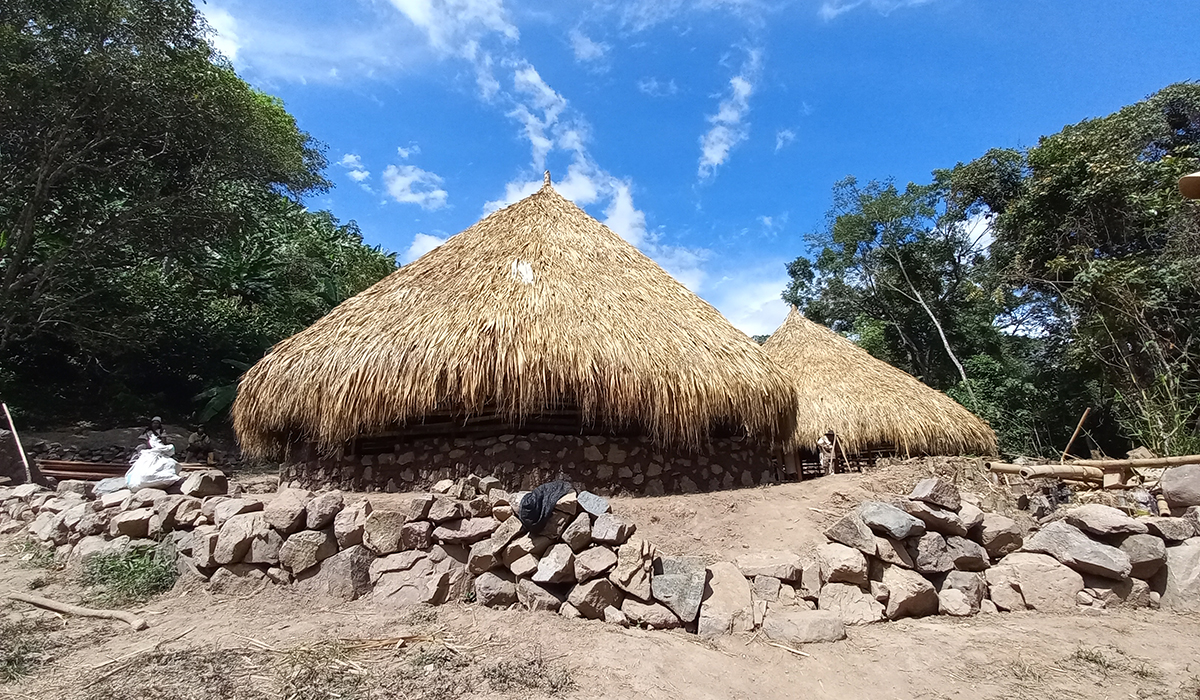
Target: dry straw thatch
x=536, y=305
x=867, y=402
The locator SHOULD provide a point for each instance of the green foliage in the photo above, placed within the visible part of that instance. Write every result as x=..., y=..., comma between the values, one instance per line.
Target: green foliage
x=133, y=576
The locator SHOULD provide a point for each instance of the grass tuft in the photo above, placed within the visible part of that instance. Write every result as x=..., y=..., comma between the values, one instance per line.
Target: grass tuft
x=24, y=645
x=133, y=576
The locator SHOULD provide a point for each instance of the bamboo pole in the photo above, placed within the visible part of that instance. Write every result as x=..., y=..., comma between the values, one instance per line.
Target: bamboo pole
x=1075, y=434
x=1137, y=463
x=17, y=439
x=1002, y=468
x=1071, y=471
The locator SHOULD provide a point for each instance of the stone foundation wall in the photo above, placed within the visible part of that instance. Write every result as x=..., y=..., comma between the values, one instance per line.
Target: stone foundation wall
x=603, y=464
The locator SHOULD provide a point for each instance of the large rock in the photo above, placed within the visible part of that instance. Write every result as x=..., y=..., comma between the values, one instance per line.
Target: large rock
x=204, y=546
x=938, y=492
x=853, y=532
x=79, y=487
x=890, y=521
x=726, y=607
x=851, y=604
x=421, y=578
x=1146, y=553
x=348, y=524
x=537, y=597
x=972, y=585
x=445, y=509
x=894, y=552
x=591, y=598
x=1103, y=520
x=306, y=549
x=230, y=507
x=909, y=594
x=1181, y=486
x=416, y=535
x=176, y=511
x=999, y=535
x=1173, y=530
x=966, y=555
x=842, y=564
x=465, y=531
x=485, y=554
x=285, y=512
x=611, y=529
x=238, y=579
x=635, y=568
x=210, y=482
x=1071, y=547
x=116, y=499
x=971, y=517
x=247, y=538
x=381, y=531
x=784, y=566
x=525, y=545
x=593, y=562
x=494, y=591
x=419, y=506
x=132, y=523
x=556, y=566
x=803, y=626
x=345, y=575
x=937, y=519
x=321, y=511
x=678, y=583
x=651, y=615
x=590, y=502
x=1107, y=593
x=932, y=556
x=1038, y=581
x=954, y=602
x=765, y=588
x=1182, y=590
x=579, y=533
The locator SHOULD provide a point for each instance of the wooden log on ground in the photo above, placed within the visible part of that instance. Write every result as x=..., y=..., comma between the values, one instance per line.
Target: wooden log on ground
x=1002, y=468
x=1062, y=471
x=134, y=621
x=1137, y=463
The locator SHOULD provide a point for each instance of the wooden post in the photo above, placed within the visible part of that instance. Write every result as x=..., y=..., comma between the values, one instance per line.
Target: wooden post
x=1075, y=434
x=17, y=439
x=1163, y=509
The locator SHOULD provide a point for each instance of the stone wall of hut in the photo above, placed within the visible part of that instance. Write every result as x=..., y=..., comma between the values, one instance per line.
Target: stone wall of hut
x=603, y=464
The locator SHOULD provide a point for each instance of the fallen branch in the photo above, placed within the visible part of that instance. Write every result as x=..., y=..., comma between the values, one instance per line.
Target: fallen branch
x=134, y=621
x=787, y=648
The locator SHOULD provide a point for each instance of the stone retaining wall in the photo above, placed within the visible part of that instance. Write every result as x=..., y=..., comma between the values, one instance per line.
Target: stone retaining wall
x=603, y=464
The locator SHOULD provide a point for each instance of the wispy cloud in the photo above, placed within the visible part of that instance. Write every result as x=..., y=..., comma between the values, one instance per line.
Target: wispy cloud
x=750, y=297
x=409, y=184
x=654, y=88
x=834, y=8
x=405, y=151
x=451, y=25
x=224, y=36
x=421, y=244
x=784, y=138
x=729, y=125
x=354, y=167
x=586, y=49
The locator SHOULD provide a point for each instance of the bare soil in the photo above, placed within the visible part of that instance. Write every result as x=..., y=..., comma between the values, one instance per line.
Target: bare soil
x=278, y=643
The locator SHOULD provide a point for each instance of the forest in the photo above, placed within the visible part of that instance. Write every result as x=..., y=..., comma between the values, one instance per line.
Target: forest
x=154, y=242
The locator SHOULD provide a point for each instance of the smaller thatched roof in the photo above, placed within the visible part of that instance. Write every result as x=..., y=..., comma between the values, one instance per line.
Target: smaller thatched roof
x=867, y=402
x=537, y=305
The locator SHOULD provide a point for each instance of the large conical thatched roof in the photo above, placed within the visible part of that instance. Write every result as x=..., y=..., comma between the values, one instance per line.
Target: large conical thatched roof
x=867, y=402
x=535, y=305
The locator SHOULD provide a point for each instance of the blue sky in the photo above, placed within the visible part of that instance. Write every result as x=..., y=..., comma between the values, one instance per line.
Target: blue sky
x=709, y=133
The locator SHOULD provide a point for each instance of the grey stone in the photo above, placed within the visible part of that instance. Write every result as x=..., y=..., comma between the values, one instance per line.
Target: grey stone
x=230, y=507
x=445, y=509
x=987, y=607
x=349, y=523
x=83, y=489
x=614, y=616
x=176, y=510
x=1103, y=520
x=591, y=598
x=210, y=482
x=635, y=567
x=1181, y=486
x=842, y=564
x=971, y=516
x=590, y=502
x=523, y=545
x=1107, y=593
x=973, y=586
x=909, y=594
x=784, y=566
x=465, y=531
x=556, y=566
x=890, y=521
x=853, y=532
x=966, y=554
x=578, y=534
x=651, y=615
x=568, y=611
x=938, y=492
x=880, y=592
x=1182, y=586
x=850, y=603
x=237, y=579
x=247, y=538
x=593, y=562
x=1146, y=553
x=803, y=626
x=1173, y=530
x=345, y=575
x=1071, y=547
x=537, y=597
x=1039, y=581
x=94, y=522
x=494, y=592
x=485, y=554
x=999, y=535
x=765, y=588
x=678, y=583
x=306, y=549
x=131, y=523
x=321, y=510
x=115, y=499
x=932, y=556
x=382, y=530
x=526, y=566
x=418, y=507
x=145, y=497
x=418, y=535
x=937, y=519
x=285, y=512
x=611, y=529
x=953, y=602
x=204, y=547
x=479, y=507
x=893, y=552
x=486, y=484
x=726, y=607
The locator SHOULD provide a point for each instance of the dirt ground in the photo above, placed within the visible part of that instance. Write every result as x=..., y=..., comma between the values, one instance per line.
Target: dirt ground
x=278, y=643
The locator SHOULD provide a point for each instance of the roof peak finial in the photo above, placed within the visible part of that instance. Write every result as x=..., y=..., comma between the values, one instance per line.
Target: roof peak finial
x=546, y=178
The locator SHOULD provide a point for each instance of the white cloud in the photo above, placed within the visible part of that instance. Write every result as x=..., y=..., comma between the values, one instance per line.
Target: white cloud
x=729, y=126
x=643, y=14
x=409, y=184
x=451, y=25
x=422, y=243
x=354, y=167
x=623, y=218
x=979, y=231
x=224, y=37
x=833, y=8
x=587, y=50
x=784, y=138
x=751, y=298
x=654, y=88
x=412, y=150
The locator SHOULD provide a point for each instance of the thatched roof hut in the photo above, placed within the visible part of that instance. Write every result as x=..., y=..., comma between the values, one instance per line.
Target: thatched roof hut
x=535, y=308
x=868, y=403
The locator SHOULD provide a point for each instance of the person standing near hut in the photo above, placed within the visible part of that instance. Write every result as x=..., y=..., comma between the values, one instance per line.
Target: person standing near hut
x=825, y=445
